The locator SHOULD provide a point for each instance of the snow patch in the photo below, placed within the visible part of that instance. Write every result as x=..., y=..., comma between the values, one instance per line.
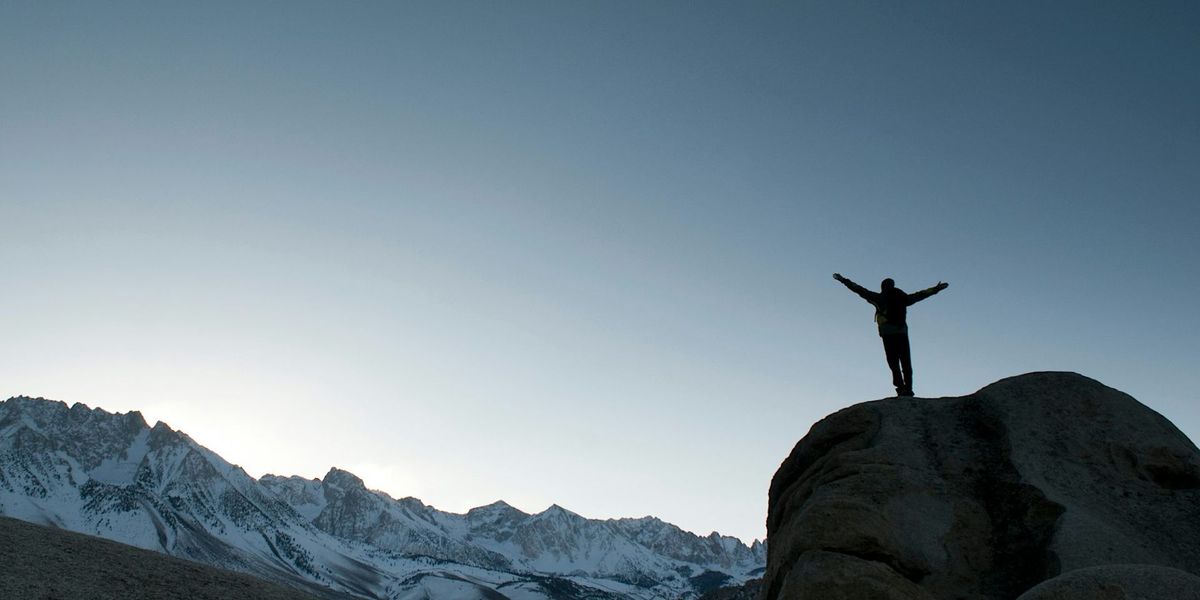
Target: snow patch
x=122, y=470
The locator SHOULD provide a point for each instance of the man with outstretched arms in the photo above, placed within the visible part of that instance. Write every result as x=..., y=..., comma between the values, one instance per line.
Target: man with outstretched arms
x=891, y=308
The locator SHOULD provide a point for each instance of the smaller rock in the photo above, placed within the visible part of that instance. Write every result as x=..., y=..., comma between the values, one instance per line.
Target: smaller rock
x=1118, y=582
x=836, y=576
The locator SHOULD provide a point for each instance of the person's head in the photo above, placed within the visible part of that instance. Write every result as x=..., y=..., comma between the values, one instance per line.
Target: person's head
x=887, y=284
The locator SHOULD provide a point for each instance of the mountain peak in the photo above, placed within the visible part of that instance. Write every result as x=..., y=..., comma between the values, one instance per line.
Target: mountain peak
x=497, y=505
x=30, y=401
x=53, y=419
x=134, y=417
x=343, y=479
x=558, y=511
x=36, y=410
x=496, y=508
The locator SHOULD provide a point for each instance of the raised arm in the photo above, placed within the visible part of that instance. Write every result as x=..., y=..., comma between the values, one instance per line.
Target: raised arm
x=866, y=294
x=916, y=297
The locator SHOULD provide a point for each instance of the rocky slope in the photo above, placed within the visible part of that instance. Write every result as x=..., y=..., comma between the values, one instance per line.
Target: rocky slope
x=1046, y=478
x=44, y=562
x=114, y=476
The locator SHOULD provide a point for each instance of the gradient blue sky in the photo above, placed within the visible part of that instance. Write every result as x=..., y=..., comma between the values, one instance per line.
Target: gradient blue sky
x=580, y=253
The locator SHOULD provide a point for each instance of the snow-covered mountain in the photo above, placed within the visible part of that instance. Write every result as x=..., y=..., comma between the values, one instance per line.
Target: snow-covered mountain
x=114, y=476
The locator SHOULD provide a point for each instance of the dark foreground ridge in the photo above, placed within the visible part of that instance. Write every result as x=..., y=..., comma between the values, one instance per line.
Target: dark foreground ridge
x=1046, y=480
x=43, y=562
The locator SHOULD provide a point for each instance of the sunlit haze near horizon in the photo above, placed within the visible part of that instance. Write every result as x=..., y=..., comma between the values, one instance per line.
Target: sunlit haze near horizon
x=580, y=253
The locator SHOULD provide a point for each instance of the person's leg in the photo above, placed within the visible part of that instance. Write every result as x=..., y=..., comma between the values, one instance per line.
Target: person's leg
x=891, y=349
x=905, y=358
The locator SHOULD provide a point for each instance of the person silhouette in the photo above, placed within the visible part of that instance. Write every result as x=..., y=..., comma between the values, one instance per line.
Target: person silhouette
x=891, y=308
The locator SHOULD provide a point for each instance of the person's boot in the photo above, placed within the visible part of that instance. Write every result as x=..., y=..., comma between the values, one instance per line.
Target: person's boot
x=906, y=392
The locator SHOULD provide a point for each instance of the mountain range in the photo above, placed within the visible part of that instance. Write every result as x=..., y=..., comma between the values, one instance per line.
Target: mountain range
x=114, y=476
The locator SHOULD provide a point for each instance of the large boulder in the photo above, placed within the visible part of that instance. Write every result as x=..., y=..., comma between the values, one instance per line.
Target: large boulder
x=983, y=496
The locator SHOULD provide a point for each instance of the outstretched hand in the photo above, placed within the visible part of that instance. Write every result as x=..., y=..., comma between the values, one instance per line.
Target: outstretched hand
x=942, y=285
x=838, y=276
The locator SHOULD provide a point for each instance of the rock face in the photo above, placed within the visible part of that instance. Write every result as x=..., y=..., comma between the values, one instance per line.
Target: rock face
x=984, y=496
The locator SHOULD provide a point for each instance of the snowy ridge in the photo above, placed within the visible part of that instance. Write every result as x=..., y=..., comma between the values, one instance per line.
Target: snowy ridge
x=114, y=476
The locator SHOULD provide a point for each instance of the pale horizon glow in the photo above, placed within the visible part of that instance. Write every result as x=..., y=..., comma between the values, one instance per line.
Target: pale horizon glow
x=580, y=254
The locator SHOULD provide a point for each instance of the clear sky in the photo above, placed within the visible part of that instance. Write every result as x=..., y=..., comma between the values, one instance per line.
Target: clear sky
x=580, y=252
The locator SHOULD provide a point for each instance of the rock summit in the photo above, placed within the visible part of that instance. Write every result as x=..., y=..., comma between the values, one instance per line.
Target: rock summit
x=1040, y=487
